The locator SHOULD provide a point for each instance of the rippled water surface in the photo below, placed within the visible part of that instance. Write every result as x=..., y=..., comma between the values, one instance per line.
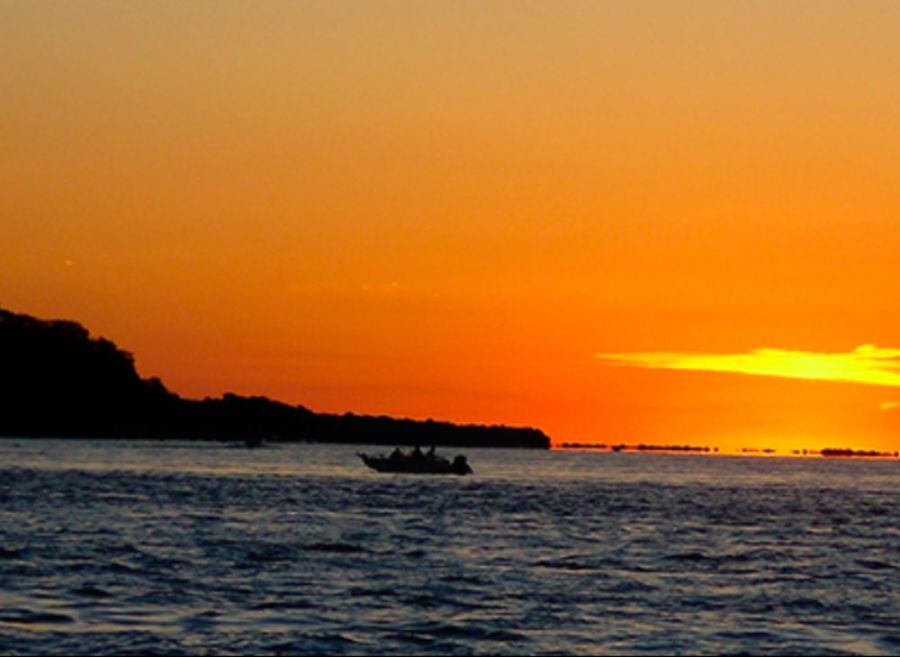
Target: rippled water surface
x=174, y=548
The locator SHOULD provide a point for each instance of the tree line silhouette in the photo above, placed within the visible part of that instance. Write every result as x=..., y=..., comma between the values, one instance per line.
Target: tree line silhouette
x=57, y=380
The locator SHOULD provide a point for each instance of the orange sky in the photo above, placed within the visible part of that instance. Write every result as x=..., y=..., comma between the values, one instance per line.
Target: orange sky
x=449, y=209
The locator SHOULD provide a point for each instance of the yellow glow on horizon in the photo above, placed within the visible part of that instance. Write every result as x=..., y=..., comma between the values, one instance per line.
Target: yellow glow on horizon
x=866, y=364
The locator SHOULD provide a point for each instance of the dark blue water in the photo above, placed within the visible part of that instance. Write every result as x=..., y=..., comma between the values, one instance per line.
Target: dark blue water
x=179, y=548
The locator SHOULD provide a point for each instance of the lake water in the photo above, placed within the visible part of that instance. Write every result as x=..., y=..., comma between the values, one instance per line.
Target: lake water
x=198, y=548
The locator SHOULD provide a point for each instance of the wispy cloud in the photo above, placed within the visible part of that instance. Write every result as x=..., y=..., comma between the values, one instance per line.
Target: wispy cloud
x=889, y=406
x=867, y=364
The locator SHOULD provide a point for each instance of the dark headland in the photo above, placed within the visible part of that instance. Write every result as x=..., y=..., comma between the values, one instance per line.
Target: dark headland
x=56, y=380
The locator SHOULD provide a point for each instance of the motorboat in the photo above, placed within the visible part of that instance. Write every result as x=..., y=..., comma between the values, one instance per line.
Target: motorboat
x=417, y=463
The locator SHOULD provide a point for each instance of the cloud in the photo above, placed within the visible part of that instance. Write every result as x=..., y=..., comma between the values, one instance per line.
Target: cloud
x=889, y=406
x=868, y=364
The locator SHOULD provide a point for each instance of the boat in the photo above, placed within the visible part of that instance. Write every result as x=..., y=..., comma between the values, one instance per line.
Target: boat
x=417, y=463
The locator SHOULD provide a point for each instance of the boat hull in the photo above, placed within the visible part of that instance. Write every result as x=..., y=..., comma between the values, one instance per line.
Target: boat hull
x=415, y=466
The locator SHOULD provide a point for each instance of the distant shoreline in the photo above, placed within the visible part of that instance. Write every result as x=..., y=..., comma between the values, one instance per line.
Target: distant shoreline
x=59, y=381
x=690, y=450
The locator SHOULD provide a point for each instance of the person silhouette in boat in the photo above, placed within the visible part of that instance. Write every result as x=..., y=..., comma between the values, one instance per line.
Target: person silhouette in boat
x=431, y=456
x=417, y=454
x=396, y=455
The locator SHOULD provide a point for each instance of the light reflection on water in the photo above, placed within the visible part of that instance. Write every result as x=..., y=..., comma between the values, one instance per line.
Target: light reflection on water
x=170, y=547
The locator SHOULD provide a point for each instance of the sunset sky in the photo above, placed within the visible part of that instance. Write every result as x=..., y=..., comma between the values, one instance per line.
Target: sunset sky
x=670, y=222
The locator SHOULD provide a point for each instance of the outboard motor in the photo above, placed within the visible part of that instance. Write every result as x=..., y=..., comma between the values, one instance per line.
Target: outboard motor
x=461, y=466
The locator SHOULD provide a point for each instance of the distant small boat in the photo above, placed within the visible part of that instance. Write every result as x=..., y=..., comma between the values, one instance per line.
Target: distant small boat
x=417, y=463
